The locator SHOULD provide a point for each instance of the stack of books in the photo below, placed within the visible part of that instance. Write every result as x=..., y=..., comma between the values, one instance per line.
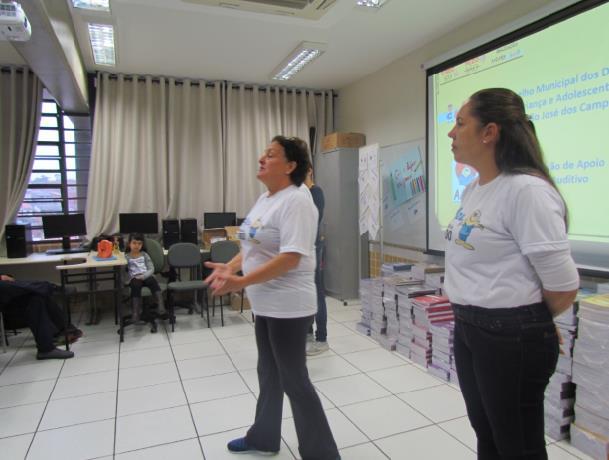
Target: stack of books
x=590, y=430
x=427, y=310
x=423, y=271
x=365, y=295
x=560, y=393
x=391, y=269
x=404, y=295
x=442, y=351
x=378, y=322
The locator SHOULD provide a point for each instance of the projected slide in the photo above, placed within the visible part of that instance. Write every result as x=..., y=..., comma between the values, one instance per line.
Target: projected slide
x=562, y=73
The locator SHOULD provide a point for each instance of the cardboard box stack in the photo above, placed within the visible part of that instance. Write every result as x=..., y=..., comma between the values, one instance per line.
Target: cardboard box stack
x=590, y=430
x=560, y=393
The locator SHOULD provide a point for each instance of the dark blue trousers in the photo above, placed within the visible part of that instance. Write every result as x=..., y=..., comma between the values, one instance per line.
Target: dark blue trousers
x=505, y=358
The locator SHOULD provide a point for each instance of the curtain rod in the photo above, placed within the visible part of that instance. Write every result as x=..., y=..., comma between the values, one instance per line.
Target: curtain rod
x=247, y=86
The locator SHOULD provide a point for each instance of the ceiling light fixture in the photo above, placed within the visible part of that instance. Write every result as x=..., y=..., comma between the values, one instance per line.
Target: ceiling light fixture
x=101, y=37
x=297, y=59
x=371, y=3
x=94, y=5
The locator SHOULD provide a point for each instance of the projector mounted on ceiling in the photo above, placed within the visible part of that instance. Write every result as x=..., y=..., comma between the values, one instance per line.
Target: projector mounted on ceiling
x=305, y=9
x=14, y=25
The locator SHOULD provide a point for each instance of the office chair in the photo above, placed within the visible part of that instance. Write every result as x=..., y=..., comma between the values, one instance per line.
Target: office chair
x=222, y=252
x=186, y=257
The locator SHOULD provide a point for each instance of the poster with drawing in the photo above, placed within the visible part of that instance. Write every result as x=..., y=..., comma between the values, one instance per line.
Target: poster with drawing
x=369, y=200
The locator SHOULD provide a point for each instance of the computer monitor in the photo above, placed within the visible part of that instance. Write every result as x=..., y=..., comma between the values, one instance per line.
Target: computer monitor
x=219, y=219
x=139, y=222
x=64, y=226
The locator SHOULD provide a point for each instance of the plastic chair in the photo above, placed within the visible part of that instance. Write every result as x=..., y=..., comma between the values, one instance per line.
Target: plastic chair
x=186, y=257
x=222, y=252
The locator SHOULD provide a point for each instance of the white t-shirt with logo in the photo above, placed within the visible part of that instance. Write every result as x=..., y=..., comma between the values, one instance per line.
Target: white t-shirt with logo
x=496, y=227
x=283, y=222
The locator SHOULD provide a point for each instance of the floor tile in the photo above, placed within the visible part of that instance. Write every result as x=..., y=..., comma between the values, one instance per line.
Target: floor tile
x=214, y=447
x=153, y=428
x=234, y=331
x=80, y=385
x=103, y=347
x=329, y=367
x=237, y=344
x=351, y=343
x=20, y=419
x=367, y=451
x=344, y=431
x=42, y=370
x=145, y=357
x=351, y=389
x=430, y=443
x=25, y=393
x=214, y=387
x=25, y=355
x=182, y=336
x=144, y=341
x=204, y=367
x=404, y=378
x=348, y=314
x=87, y=440
x=197, y=350
x=438, y=403
x=224, y=414
x=16, y=446
x=556, y=453
x=148, y=375
x=89, y=365
x=80, y=409
x=182, y=450
x=336, y=330
x=372, y=360
x=243, y=360
x=150, y=398
x=565, y=445
x=461, y=429
x=384, y=417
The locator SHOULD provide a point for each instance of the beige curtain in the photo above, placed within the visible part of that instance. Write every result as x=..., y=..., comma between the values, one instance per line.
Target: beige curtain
x=156, y=148
x=20, y=108
x=253, y=116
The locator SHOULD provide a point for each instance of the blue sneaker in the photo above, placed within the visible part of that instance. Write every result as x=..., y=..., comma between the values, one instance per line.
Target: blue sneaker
x=240, y=445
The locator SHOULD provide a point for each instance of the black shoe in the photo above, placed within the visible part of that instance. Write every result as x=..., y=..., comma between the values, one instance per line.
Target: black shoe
x=240, y=445
x=56, y=353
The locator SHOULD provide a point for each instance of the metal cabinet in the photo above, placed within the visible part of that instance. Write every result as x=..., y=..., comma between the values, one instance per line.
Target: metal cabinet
x=336, y=173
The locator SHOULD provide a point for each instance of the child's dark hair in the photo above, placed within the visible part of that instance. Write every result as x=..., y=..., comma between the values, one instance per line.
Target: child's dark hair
x=136, y=237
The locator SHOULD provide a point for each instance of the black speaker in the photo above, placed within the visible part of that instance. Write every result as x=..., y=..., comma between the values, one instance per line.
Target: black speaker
x=18, y=240
x=171, y=232
x=188, y=231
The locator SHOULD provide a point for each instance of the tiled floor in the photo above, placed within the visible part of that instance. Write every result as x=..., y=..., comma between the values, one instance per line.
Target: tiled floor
x=185, y=394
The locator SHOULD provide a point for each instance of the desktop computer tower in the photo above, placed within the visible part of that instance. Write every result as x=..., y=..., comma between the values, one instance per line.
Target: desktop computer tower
x=171, y=232
x=188, y=231
x=18, y=240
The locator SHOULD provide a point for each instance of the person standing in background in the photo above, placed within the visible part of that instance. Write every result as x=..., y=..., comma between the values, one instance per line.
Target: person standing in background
x=318, y=343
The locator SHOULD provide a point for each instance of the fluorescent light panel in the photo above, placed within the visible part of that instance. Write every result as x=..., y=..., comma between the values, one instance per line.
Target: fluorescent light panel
x=371, y=3
x=95, y=5
x=101, y=37
x=301, y=56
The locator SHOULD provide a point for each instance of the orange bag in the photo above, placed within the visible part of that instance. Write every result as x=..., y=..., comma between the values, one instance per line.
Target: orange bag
x=104, y=249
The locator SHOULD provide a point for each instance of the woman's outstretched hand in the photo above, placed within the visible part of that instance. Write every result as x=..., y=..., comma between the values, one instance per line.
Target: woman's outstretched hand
x=222, y=281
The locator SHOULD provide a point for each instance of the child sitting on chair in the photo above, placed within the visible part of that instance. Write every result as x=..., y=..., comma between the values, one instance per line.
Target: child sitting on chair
x=140, y=271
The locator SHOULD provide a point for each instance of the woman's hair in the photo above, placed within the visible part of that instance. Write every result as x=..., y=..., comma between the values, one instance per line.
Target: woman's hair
x=296, y=150
x=136, y=237
x=518, y=150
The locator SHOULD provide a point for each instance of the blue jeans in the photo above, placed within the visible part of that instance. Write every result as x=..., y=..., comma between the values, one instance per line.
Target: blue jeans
x=505, y=358
x=321, y=317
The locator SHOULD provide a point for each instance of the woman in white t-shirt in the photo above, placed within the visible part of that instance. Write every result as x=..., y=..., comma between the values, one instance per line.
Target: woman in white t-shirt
x=509, y=270
x=278, y=263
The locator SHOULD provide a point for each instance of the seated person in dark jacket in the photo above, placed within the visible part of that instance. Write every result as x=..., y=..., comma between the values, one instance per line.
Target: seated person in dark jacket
x=45, y=318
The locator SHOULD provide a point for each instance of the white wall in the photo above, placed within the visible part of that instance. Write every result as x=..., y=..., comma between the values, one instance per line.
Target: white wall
x=388, y=106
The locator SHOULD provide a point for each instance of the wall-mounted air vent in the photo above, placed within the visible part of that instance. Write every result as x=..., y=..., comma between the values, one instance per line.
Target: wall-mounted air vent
x=306, y=9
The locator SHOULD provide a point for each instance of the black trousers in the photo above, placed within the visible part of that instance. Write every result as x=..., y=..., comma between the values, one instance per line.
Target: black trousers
x=282, y=368
x=137, y=285
x=505, y=358
x=45, y=319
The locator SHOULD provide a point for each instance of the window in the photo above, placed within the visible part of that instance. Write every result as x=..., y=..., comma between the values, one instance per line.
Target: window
x=60, y=174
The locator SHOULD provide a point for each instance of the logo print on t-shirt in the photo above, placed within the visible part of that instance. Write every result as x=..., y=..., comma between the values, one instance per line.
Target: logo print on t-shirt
x=467, y=225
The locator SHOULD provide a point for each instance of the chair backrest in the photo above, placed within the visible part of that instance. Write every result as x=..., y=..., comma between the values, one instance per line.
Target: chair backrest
x=183, y=255
x=155, y=251
x=224, y=251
